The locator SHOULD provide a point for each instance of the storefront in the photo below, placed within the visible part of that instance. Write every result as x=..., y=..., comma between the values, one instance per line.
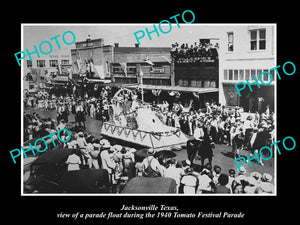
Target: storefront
x=257, y=100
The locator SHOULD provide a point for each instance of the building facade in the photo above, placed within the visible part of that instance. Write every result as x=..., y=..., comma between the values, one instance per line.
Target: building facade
x=245, y=52
x=196, y=69
x=131, y=64
x=49, y=61
x=96, y=52
x=41, y=69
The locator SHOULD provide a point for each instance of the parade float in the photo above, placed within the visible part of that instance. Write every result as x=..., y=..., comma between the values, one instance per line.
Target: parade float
x=137, y=123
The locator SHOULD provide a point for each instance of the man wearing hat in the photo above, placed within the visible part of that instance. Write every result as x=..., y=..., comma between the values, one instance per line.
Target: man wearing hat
x=151, y=166
x=248, y=126
x=104, y=144
x=108, y=162
x=266, y=186
x=237, y=143
x=61, y=125
x=94, y=152
x=236, y=113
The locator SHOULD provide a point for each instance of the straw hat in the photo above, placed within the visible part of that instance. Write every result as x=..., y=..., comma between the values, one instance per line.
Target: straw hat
x=105, y=143
x=151, y=151
x=267, y=177
x=266, y=187
x=256, y=175
x=117, y=148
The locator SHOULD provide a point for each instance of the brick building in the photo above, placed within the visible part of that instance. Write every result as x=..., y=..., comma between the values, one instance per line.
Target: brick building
x=157, y=71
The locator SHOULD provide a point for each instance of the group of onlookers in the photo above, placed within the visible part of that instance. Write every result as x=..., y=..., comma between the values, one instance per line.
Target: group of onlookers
x=194, y=53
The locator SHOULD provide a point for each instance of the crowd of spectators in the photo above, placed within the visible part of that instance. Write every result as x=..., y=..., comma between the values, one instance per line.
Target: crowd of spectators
x=226, y=127
x=225, y=123
x=65, y=105
x=203, y=52
x=206, y=179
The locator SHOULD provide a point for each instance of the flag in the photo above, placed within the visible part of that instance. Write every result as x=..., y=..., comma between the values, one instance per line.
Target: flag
x=165, y=58
x=124, y=67
x=65, y=69
x=75, y=68
x=34, y=74
x=78, y=63
x=99, y=70
x=92, y=67
x=42, y=73
x=139, y=69
x=156, y=92
x=58, y=68
x=70, y=72
x=196, y=94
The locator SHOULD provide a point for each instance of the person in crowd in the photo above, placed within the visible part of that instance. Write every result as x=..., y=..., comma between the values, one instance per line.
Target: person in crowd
x=61, y=125
x=189, y=182
x=174, y=172
x=221, y=187
x=72, y=143
x=151, y=166
x=95, y=153
x=128, y=162
x=81, y=140
x=205, y=182
x=240, y=181
x=73, y=161
x=216, y=173
x=207, y=145
x=231, y=177
x=238, y=143
x=261, y=140
x=265, y=186
x=108, y=163
x=248, y=127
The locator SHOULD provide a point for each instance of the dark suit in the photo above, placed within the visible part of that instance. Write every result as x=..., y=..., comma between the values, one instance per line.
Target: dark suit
x=206, y=151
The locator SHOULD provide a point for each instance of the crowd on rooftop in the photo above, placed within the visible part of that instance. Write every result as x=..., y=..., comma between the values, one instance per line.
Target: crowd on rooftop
x=194, y=53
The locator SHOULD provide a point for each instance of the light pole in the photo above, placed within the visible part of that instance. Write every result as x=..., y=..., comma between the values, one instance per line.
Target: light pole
x=141, y=83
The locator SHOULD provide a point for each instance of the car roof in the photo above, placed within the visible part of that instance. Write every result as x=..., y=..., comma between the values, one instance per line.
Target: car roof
x=56, y=155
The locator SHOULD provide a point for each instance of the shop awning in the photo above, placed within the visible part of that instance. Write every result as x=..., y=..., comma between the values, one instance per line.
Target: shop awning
x=102, y=81
x=60, y=79
x=175, y=88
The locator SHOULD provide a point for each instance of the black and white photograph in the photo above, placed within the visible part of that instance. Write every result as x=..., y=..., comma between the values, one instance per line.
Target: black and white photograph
x=144, y=109
x=144, y=113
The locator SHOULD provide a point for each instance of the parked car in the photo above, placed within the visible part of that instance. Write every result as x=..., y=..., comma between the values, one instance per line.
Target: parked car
x=48, y=174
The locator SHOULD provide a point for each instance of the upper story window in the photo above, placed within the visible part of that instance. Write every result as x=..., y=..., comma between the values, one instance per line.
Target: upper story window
x=65, y=61
x=53, y=63
x=29, y=63
x=230, y=41
x=40, y=63
x=258, y=39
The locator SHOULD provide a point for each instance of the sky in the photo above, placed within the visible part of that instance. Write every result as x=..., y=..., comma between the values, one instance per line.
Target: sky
x=34, y=34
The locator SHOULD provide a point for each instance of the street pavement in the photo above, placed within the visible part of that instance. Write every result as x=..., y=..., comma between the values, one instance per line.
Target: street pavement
x=222, y=153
